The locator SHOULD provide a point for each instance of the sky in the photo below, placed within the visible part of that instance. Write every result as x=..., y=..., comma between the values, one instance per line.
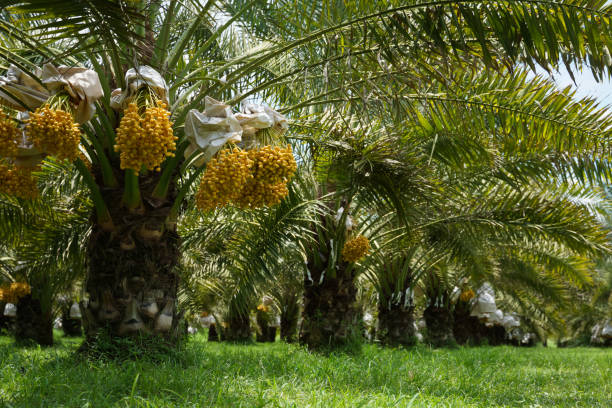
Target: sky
x=586, y=85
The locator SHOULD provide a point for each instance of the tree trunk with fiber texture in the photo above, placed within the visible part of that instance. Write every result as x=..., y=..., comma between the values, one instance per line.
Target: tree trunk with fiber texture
x=266, y=333
x=466, y=329
x=213, y=335
x=238, y=329
x=330, y=317
x=439, y=322
x=290, y=314
x=71, y=327
x=132, y=282
x=396, y=325
x=496, y=335
x=470, y=330
x=32, y=324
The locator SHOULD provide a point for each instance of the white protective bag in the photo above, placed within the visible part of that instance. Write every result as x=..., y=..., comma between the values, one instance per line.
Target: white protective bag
x=82, y=84
x=136, y=78
x=510, y=321
x=348, y=223
x=17, y=86
x=484, y=302
x=10, y=310
x=210, y=130
x=275, y=322
x=495, y=319
x=255, y=117
x=75, y=311
x=207, y=321
x=217, y=125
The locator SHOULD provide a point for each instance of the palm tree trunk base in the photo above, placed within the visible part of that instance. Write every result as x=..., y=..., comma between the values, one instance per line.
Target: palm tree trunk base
x=132, y=289
x=71, y=327
x=213, y=335
x=132, y=283
x=439, y=322
x=31, y=324
x=288, y=328
x=7, y=324
x=396, y=326
x=331, y=317
x=466, y=329
x=266, y=333
x=238, y=330
x=289, y=318
x=469, y=330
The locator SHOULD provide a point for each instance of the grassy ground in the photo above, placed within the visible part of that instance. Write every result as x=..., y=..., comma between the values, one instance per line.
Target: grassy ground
x=281, y=375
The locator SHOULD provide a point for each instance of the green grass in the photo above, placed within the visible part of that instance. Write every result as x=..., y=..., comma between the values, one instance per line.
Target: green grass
x=280, y=375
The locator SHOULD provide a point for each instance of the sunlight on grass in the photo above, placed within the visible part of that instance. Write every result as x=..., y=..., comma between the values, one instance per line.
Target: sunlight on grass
x=282, y=375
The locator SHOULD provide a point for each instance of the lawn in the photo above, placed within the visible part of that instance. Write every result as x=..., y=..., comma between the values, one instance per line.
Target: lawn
x=281, y=375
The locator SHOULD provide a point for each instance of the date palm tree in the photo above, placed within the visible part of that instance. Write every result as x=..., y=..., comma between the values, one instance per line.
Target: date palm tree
x=232, y=258
x=470, y=169
x=365, y=58
x=46, y=239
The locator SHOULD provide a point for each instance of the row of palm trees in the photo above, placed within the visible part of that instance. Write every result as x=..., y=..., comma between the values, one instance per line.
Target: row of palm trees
x=418, y=119
x=492, y=233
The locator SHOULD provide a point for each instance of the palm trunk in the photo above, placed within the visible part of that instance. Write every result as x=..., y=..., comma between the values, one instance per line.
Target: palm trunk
x=32, y=323
x=396, y=325
x=330, y=317
x=439, y=322
x=496, y=335
x=466, y=329
x=271, y=335
x=132, y=287
x=71, y=327
x=238, y=329
x=470, y=330
x=261, y=335
x=290, y=313
x=266, y=333
x=213, y=335
x=132, y=284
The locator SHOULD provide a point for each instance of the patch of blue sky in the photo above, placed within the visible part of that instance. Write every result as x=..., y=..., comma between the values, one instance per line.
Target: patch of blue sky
x=585, y=85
